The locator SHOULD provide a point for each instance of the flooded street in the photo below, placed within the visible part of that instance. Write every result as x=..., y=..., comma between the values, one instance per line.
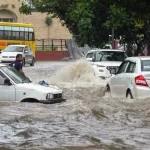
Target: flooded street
x=88, y=120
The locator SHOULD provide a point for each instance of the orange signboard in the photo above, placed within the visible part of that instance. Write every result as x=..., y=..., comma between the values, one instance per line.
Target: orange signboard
x=3, y=44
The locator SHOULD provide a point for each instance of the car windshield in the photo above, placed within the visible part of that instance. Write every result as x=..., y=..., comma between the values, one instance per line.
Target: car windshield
x=145, y=65
x=110, y=56
x=14, y=49
x=15, y=75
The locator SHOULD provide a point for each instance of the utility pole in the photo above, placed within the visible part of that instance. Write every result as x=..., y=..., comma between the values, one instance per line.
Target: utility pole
x=113, y=36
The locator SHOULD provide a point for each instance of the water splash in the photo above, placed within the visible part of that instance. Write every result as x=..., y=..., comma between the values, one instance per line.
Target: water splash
x=79, y=74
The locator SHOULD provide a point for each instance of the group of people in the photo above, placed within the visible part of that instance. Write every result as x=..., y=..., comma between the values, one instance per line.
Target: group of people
x=133, y=53
x=18, y=63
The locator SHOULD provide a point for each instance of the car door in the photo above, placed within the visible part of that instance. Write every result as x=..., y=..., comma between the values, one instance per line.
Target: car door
x=130, y=75
x=7, y=92
x=117, y=82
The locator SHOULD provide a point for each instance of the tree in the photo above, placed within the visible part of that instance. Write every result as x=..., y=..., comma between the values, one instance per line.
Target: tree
x=131, y=21
x=83, y=19
x=91, y=21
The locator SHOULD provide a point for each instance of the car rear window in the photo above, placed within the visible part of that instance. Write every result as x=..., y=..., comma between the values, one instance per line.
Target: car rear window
x=145, y=65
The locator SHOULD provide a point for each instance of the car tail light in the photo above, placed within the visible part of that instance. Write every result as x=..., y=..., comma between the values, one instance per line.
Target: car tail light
x=140, y=80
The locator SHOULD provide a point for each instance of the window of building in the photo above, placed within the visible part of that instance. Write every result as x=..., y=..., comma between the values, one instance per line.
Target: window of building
x=6, y=20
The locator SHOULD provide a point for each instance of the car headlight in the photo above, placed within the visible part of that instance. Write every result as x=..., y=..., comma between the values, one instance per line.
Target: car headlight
x=49, y=96
x=110, y=67
x=100, y=66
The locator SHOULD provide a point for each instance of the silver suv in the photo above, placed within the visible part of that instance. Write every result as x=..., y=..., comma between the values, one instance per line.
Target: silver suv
x=103, y=60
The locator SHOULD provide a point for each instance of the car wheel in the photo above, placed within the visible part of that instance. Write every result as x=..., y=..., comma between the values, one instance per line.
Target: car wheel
x=30, y=100
x=32, y=64
x=129, y=95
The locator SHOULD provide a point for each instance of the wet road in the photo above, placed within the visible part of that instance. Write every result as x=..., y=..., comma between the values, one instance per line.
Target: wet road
x=88, y=120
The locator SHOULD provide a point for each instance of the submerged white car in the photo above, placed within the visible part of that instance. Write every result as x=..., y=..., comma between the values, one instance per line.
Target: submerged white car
x=16, y=87
x=132, y=80
x=105, y=59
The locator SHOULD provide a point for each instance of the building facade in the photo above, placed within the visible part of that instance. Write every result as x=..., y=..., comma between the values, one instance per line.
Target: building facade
x=9, y=12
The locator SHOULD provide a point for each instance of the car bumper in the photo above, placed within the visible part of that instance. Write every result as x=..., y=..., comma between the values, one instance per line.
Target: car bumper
x=52, y=101
x=141, y=92
x=7, y=60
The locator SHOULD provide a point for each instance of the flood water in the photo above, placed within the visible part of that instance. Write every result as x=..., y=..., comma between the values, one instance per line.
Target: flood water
x=88, y=120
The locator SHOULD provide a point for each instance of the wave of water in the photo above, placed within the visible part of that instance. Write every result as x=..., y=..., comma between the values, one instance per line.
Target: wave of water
x=79, y=74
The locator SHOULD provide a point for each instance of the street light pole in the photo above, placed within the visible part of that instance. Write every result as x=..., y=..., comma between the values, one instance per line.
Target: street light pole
x=113, y=36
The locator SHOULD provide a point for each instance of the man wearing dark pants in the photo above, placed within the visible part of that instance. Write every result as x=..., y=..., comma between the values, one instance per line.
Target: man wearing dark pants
x=17, y=64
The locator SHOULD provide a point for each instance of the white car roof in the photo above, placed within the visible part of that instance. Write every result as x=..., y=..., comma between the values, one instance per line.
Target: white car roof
x=102, y=50
x=139, y=57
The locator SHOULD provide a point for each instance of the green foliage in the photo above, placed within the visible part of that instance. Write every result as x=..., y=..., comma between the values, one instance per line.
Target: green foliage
x=91, y=21
x=118, y=17
x=25, y=9
x=48, y=20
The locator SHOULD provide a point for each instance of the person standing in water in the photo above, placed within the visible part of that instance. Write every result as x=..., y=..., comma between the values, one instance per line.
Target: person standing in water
x=17, y=64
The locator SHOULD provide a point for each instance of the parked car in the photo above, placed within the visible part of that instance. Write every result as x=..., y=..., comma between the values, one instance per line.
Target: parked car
x=132, y=80
x=8, y=55
x=105, y=59
x=16, y=87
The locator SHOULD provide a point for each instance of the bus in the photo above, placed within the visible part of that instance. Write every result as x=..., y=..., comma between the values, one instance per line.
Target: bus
x=17, y=34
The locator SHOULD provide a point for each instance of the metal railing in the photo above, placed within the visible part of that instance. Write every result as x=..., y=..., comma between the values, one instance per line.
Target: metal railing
x=51, y=45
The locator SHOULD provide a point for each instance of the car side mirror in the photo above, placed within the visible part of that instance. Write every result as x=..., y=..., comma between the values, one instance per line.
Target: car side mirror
x=113, y=71
x=7, y=82
x=26, y=51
